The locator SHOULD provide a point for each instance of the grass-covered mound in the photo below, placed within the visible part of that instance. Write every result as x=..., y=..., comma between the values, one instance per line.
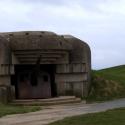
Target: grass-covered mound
x=111, y=117
x=114, y=73
x=107, y=84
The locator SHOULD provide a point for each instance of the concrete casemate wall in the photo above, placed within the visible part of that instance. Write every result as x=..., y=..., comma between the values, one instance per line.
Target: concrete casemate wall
x=70, y=55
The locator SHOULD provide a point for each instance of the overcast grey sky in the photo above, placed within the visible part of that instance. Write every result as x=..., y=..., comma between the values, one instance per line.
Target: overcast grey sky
x=101, y=23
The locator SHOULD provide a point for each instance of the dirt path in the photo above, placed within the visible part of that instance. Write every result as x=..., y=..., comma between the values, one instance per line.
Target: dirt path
x=54, y=113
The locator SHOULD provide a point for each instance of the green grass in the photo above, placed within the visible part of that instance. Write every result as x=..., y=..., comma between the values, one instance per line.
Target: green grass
x=107, y=84
x=111, y=117
x=9, y=109
x=114, y=73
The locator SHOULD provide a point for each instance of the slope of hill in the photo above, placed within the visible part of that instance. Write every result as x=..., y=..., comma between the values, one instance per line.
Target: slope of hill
x=114, y=73
x=108, y=84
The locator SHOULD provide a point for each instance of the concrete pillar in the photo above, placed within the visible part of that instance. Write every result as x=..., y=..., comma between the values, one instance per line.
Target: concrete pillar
x=6, y=94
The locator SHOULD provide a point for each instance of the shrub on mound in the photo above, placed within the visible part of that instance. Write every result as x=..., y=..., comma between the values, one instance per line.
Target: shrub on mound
x=103, y=89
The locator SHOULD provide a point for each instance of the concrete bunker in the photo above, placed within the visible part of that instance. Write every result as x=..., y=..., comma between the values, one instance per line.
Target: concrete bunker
x=35, y=64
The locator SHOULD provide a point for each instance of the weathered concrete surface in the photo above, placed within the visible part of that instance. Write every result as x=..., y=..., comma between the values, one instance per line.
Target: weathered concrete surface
x=65, y=58
x=54, y=113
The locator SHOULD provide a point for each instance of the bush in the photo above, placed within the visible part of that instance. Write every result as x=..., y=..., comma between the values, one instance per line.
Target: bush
x=103, y=89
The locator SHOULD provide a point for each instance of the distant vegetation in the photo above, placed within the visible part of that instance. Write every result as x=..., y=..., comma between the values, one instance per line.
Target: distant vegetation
x=108, y=84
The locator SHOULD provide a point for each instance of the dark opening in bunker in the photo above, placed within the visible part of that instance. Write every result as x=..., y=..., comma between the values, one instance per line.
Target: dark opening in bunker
x=32, y=82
